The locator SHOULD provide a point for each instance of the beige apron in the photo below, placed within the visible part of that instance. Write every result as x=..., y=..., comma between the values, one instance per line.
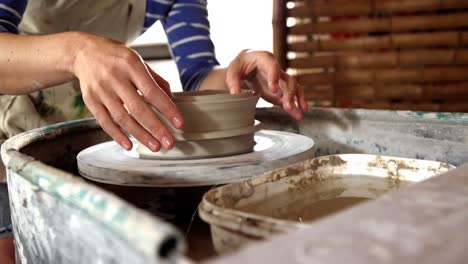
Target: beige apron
x=120, y=20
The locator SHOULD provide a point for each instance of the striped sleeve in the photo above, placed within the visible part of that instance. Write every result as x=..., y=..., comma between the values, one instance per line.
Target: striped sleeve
x=188, y=32
x=11, y=12
x=156, y=10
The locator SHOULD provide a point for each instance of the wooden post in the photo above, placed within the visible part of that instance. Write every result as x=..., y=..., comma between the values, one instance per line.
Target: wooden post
x=280, y=32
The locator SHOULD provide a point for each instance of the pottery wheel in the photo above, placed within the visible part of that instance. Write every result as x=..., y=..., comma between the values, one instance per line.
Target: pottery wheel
x=109, y=163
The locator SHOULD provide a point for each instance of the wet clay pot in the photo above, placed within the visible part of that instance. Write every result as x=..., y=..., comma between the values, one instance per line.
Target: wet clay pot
x=208, y=111
x=216, y=124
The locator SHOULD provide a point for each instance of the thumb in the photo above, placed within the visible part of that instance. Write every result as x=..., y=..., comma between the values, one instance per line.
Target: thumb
x=233, y=78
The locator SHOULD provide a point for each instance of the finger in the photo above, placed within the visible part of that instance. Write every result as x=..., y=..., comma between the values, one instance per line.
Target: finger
x=289, y=92
x=266, y=63
x=156, y=96
x=129, y=124
x=256, y=84
x=289, y=95
x=233, y=77
x=274, y=72
x=272, y=85
x=142, y=112
x=105, y=120
x=294, y=90
x=160, y=81
x=301, y=98
x=274, y=99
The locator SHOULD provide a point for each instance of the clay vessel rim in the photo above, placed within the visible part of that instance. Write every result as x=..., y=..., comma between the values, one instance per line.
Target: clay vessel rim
x=211, y=96
x=235, y=103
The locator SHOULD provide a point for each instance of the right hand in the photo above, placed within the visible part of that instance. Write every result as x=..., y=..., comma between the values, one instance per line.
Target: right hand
x=111, y=75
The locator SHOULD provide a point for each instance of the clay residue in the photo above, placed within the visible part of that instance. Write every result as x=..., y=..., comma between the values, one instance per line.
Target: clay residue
x=329, y=161
x=290, y=171
x=394, y=166
x=309, y=181
x=444, y=167
x=231, y=194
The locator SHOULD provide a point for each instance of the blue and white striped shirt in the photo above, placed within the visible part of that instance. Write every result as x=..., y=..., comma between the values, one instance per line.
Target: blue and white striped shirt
x=185, y=23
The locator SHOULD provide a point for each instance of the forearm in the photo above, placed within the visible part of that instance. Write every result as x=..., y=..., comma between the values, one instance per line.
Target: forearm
x=30, y=63
x=215, y=80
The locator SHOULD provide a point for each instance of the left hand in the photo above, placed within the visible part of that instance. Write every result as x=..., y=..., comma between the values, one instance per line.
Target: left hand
x=259, y=71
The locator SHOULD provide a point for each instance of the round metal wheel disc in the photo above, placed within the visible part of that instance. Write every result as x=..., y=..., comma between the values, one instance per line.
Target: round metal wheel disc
x=109, y=163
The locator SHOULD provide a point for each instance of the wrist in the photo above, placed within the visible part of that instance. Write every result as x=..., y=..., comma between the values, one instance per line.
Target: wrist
x=75, y=43
x=214, y=80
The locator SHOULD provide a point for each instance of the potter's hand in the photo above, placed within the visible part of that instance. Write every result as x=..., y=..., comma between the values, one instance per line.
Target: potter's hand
x=110, y=76
x=260, y=71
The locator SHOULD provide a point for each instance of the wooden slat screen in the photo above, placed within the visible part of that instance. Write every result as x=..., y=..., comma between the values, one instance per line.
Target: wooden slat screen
x=392, y=54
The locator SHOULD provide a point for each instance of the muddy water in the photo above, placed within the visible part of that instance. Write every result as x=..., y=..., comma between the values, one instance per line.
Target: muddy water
x=323, y=208
x=306, y=211
x=311, y=201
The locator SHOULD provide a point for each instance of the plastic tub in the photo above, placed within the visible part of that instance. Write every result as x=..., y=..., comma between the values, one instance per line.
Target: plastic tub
x=289, y=197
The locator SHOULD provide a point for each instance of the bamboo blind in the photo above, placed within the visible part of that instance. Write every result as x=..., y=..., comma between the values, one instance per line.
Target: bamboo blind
x=391, y=54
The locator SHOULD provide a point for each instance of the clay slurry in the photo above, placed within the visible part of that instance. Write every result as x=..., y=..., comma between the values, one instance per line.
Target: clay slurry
x=323, y=208
x=318, y=200
x=307, y=211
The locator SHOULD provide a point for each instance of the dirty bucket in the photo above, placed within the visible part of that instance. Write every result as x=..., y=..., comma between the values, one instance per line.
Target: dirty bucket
x=289, y=197
x=59, y=217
